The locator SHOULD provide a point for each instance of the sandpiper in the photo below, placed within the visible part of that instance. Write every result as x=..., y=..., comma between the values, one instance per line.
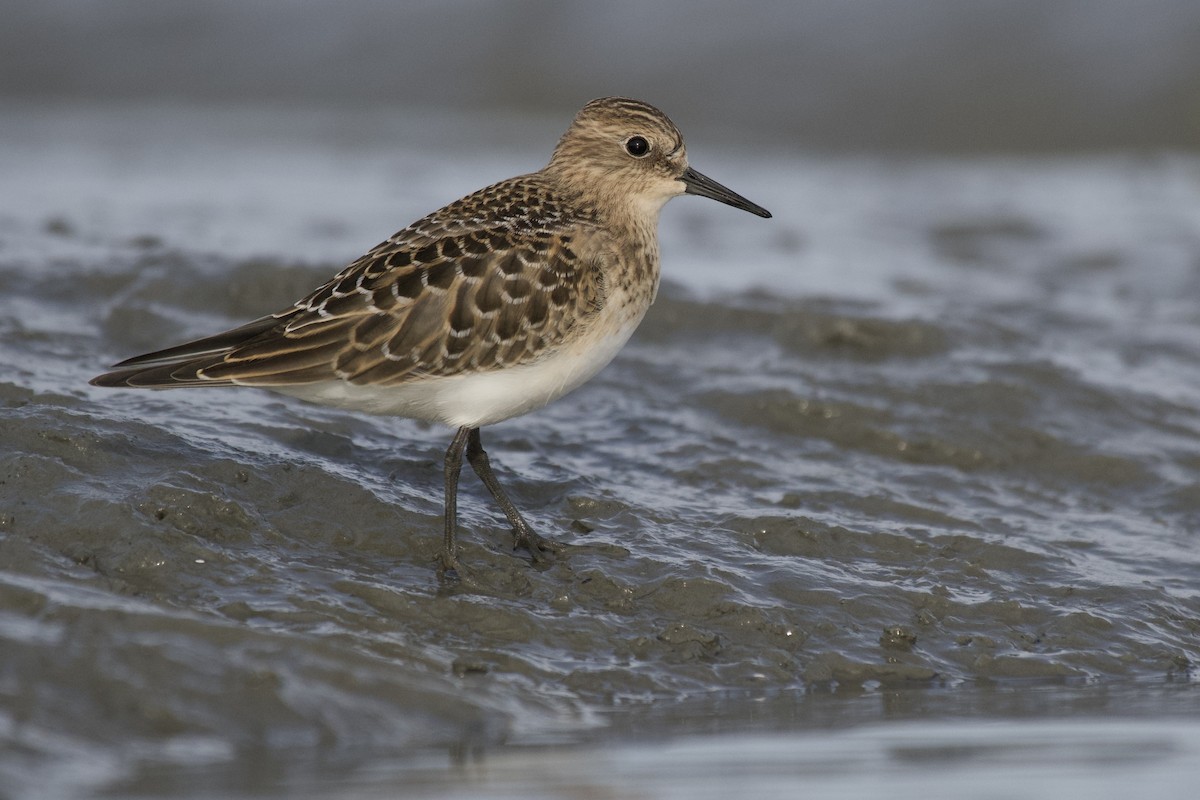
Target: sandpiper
x=486, y=309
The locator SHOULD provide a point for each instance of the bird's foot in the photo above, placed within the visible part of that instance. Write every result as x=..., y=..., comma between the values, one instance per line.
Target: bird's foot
x=538, y=546
x=449, y=567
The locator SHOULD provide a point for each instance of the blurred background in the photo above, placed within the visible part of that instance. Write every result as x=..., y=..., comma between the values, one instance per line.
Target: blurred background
x=923, y=447
x=921, y=75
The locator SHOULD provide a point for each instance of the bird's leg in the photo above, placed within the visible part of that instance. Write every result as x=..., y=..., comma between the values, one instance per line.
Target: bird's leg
x=454, y=457
x=523, y=535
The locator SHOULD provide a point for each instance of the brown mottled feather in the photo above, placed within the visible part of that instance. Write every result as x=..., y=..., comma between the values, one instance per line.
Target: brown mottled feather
x=487, y=282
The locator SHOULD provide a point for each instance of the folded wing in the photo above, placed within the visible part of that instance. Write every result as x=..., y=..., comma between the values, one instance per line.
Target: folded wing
x=433, y=300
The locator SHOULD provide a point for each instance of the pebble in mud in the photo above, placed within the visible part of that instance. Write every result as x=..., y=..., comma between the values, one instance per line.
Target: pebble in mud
x=897, y=637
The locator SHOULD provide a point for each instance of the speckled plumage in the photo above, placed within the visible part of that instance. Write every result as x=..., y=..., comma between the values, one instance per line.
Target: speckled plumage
x=488, y=308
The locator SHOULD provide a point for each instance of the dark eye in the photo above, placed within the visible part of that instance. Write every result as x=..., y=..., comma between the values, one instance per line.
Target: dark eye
x=637, y=146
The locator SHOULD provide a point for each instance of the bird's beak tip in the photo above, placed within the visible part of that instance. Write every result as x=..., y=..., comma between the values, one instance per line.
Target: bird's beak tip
x=704, y=186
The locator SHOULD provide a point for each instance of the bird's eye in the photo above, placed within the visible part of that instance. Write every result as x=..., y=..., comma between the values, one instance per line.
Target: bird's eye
x=637, y=146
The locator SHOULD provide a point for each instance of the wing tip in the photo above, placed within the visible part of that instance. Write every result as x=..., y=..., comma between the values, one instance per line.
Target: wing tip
x=177, y=375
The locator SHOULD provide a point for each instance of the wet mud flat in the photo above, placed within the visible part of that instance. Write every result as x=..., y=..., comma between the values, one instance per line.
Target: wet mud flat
x=923, y=451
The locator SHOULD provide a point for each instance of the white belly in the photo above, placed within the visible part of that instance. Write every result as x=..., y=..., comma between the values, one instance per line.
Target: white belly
x=479, y=398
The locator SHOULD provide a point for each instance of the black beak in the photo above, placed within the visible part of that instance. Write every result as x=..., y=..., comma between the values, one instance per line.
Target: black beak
x=707, y=187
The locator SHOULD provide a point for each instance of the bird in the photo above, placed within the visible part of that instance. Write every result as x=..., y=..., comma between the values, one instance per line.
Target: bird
x=486, y=309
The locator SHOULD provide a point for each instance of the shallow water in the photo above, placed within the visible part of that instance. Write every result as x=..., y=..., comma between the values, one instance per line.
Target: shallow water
x=915, y=460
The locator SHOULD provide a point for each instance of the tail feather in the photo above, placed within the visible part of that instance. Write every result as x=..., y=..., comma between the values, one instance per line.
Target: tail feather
x=170, y=375
x=218, y=343
x=180, y=366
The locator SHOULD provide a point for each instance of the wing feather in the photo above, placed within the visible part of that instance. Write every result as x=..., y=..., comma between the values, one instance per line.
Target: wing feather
x=490, y=281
